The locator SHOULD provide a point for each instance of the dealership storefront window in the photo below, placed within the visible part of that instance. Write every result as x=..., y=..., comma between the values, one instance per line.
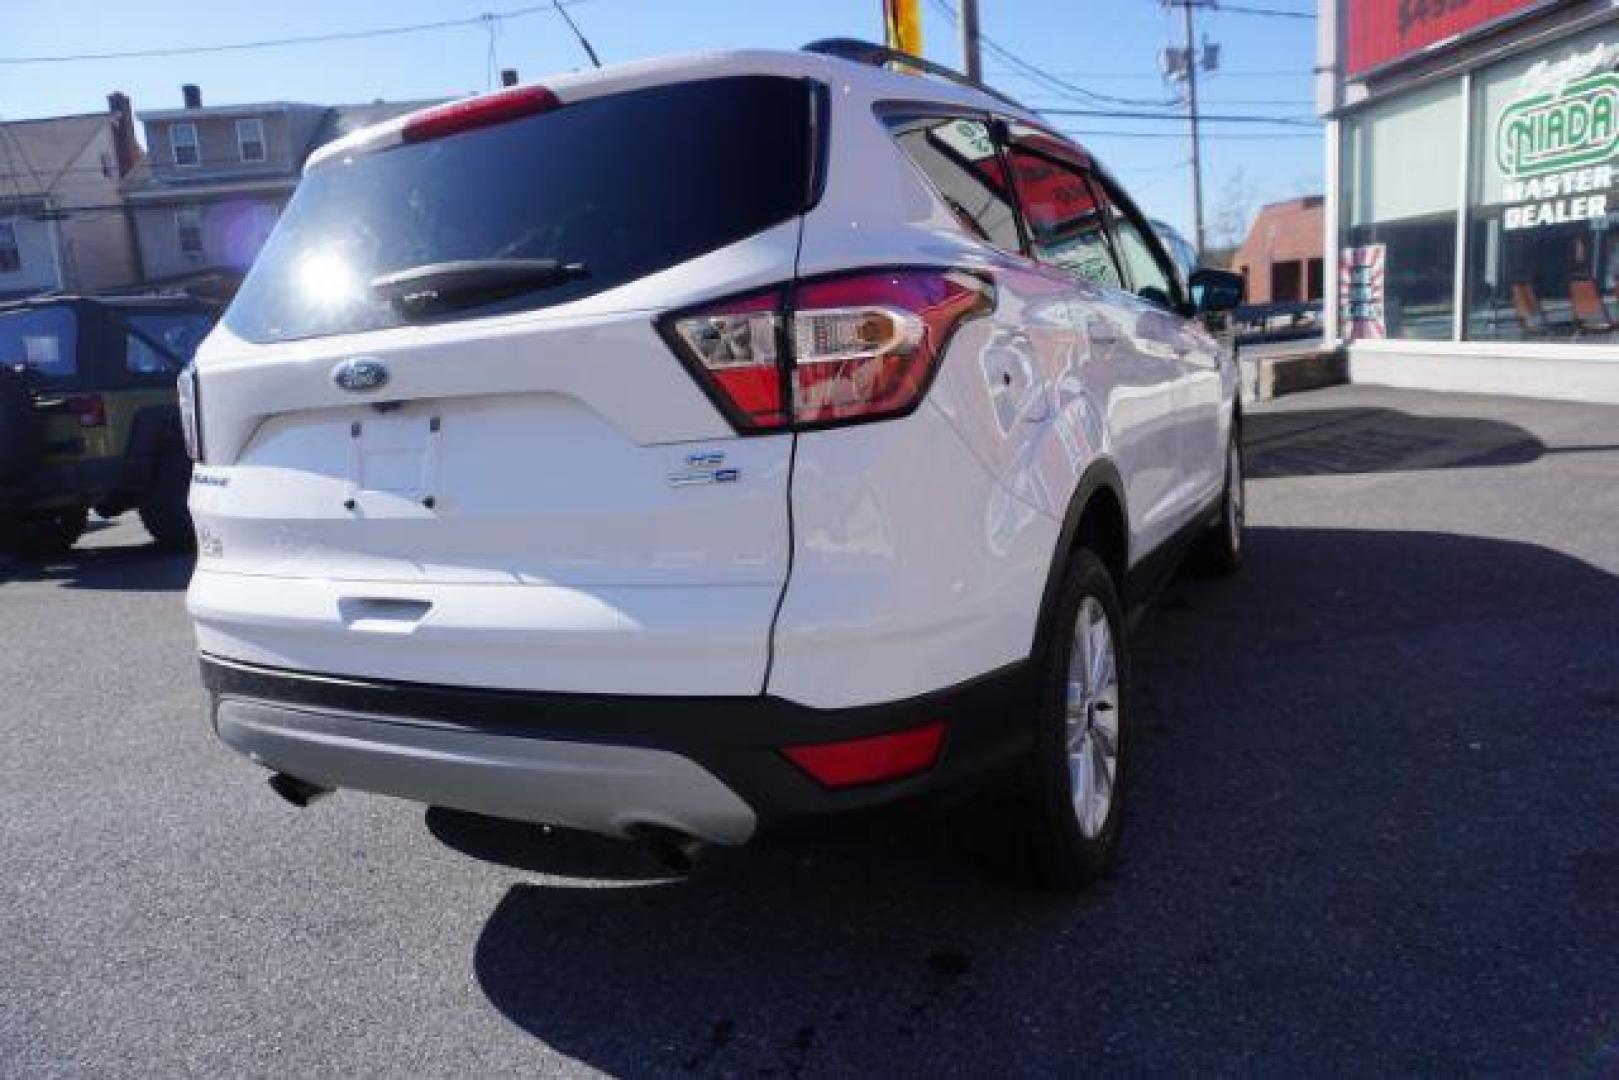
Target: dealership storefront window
x=1543, y=232
x=1400, y=186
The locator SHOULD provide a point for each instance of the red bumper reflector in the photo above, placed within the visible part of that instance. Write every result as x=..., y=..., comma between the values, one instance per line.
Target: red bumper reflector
x=870, y=760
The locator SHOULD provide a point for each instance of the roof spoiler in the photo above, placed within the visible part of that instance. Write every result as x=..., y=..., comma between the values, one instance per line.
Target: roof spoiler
x=881, y=56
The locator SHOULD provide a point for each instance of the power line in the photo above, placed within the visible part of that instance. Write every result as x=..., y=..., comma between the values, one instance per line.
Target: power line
x=1057, y=85
x=1273, y=13
x=1224, y=73
x=306, y=39
x=1292, y=102
x=1258, y=136
x=1217, y=118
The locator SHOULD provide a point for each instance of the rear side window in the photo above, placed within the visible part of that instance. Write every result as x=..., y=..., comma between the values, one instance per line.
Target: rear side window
x=626, y=185
x=958, y=156
x=1063, y=212
x=45, y=339
x=161, y=342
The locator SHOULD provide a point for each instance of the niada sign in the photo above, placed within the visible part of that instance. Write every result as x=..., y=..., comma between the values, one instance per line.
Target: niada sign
x=1555, y=144
x=1549, y=132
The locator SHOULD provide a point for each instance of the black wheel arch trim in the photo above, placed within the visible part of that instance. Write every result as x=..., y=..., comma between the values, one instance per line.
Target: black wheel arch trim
x=1101, y=475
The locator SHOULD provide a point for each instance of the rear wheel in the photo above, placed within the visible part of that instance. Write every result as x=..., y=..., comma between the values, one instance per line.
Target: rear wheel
x=19, y=430
x=42, y=534
x=1058, y=826
x=1222, y=545
x=164, y=511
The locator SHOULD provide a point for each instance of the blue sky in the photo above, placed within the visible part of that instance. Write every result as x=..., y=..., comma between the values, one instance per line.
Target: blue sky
x=1108, y=46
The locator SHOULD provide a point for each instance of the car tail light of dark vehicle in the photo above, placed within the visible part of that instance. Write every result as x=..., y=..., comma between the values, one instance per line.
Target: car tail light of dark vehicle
x=89, y=409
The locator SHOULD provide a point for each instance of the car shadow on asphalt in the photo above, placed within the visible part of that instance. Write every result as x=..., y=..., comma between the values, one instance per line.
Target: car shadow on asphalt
x=1326, y=441
x=1373, y=820
x=130, y=568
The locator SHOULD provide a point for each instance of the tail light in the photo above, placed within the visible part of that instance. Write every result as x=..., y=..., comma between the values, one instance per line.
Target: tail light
x=189, y=429
x=90, y=409
x=827, y=351
x=735, y=350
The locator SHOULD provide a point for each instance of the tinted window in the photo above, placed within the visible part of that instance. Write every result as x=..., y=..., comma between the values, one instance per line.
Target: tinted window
x=160, y=342
x=1060, y=209
x=1150, y=273
x=958, y=156
x=46, y=339
x=627, y=184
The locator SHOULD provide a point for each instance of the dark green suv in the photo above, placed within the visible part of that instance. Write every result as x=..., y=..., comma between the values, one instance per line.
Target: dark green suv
x=89, y=417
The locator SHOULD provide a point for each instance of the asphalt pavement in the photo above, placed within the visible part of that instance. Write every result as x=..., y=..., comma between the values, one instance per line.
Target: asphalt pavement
x=1374, y=828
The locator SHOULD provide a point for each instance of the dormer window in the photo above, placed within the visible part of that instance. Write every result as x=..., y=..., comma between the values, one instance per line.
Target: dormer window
x=250, y=139
x=183, y=141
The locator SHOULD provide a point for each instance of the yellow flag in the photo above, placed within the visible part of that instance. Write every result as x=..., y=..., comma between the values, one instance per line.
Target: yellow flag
x=902, y=20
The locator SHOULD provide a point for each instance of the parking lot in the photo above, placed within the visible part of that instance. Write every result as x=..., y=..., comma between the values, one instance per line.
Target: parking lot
x=1374, y=827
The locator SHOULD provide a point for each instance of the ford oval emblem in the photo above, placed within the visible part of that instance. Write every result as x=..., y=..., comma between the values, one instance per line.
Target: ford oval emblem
x=360, y=375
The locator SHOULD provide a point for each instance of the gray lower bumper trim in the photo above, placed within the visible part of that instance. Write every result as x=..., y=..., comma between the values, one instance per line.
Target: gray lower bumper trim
x=602, y=789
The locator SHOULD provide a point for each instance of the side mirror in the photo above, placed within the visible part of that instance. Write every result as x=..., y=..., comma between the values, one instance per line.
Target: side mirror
x=1216, y=290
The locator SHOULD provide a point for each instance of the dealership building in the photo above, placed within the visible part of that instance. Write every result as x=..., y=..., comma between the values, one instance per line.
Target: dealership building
x=1472, y=214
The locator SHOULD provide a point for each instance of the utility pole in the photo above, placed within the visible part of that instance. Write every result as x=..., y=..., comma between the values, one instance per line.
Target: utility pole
x=1197, y=147
x=1183, y=63
x=971, y=65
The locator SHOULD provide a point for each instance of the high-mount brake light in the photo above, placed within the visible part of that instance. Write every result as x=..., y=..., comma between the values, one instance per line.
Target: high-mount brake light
x=480, y=111
x=860, y=346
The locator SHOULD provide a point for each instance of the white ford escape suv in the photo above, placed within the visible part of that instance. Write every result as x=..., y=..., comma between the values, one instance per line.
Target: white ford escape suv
x=705, y=448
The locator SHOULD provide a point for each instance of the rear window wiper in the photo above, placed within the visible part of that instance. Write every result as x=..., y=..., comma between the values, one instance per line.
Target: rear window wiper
x=436, y=286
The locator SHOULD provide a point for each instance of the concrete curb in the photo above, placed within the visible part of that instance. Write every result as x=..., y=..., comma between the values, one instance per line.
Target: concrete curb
x=1276, y=376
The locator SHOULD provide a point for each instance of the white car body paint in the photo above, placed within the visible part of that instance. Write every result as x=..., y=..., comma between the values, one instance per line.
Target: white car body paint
x=513, y=523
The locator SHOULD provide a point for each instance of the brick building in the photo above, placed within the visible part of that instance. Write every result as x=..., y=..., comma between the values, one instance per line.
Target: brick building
x=1281, y=259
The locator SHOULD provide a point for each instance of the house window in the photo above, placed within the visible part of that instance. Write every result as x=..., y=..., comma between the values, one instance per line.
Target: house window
x=10, y=256
x=183, y=141
x=189, y=223
x=250, y=139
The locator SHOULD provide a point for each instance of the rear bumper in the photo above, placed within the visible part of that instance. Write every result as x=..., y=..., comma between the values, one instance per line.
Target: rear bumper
x=708, y=766
x=86, y=482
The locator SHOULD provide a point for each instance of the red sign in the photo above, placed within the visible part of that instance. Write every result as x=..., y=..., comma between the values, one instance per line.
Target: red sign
x=1381, y=31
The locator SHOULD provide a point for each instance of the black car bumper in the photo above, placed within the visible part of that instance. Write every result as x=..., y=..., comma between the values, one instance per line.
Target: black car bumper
x=738, y=740
x=112, y=483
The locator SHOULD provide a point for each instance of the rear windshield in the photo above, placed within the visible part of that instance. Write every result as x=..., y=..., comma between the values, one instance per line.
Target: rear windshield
x=627, y=185
x=46, y=339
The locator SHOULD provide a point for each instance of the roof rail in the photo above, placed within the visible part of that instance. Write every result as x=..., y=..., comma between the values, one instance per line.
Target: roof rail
x=874, y=55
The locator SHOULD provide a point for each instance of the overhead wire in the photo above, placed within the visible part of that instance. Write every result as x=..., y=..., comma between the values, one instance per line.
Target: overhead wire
x=1054, y=83
x=303, y=39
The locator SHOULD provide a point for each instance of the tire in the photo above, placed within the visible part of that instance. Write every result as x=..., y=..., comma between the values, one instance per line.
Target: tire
x=1057, y=826
x=164, y=511
x=42, y=534
x=1221, y=547
x=19, y=428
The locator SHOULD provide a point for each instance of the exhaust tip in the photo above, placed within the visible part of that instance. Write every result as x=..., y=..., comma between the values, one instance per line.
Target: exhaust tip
x=299, y=793
x=672, y=849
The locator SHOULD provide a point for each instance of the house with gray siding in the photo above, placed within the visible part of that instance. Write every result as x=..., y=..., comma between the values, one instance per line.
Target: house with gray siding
x=63, y=226
x=216, y=177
